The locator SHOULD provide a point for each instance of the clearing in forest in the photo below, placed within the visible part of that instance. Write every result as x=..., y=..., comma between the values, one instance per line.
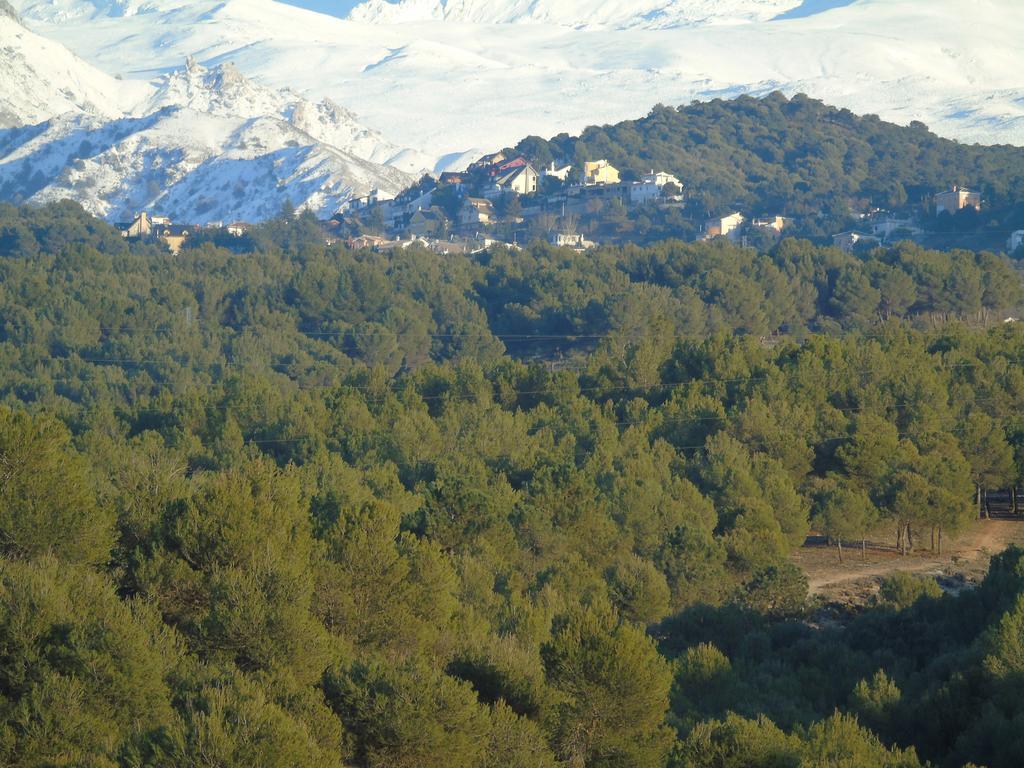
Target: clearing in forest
x=968, y=555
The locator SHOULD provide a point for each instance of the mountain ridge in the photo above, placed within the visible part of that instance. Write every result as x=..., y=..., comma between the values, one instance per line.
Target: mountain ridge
x=445, y=87
x=199, y=144
x=585, y=13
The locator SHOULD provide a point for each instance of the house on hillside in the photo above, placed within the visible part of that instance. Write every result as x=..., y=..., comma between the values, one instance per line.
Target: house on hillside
x=770, y=224
x=365, y=242
x=956, y=199
x=237, y=228
x=724, y=226
x=360, y=204
x=566, y=240
x=173, y=236
x=507, y=166
x=887, y=228
x=428, y=222
x=476, y=212
x=140, y=227
x=1016, y=241
x=451, y=179
x=643, y=192
x=487, y=161
x=397, y=212
x=600, y=172
x=148, y=227
x=845, y=241
x=660, y=179
x=555, y=172
x=521, y=179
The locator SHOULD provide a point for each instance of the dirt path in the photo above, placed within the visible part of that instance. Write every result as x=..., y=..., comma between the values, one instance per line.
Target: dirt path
x=968, y=553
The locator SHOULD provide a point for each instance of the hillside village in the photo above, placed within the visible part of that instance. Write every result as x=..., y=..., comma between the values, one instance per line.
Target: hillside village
x=503, y=199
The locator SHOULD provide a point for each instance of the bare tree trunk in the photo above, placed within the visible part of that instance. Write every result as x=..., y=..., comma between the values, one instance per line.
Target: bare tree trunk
x=899, y=538
x=863, y=549
x=984, y=501
x=981, y=511
x=910, y=539
x=839, y=542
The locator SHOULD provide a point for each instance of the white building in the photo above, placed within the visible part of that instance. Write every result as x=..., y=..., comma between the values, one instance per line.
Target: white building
x=847, y=240
x=724, y=226
x=522, y=180
x=356, y=204
x=660, y=179
x=643, y=192
x=1016, y=241
x=886, y=228
x=774, y=223
x=554, y=172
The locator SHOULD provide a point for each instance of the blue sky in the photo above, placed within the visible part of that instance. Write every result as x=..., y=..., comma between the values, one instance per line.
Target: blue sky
x=333, y=7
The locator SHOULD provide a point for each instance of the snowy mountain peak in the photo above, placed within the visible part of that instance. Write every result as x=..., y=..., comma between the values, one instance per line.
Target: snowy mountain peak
x=40, y=79
x=582, y=13
x=219, y=90
x=200, y=144
x=73, y=10
x=223, y=91
x=7, y=10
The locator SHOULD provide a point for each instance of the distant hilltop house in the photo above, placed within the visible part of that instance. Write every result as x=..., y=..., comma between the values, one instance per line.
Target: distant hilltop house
x=724, y=226
x=428, y=222
x=600, y=172
x=520, y=179
x=173, y=236
x=643, y=192
x=566, y=240
x=237, y=228
x=1016, y=241
x=487, y=161
x=453, y=179
x=888, y=227
x=956, y=199
x=357, y=204
x=770, y=223
x=476, y=211
x=651, y=186
x=146, y=226
x=660, y=179
x=397, y=211
x=365, y=242
x=556, y=172
x=845, y=241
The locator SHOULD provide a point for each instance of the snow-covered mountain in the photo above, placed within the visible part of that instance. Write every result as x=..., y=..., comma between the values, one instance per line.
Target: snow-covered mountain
x=447, y=76
x=223, y=91
x=40, y=78
x=650, y=14
x=455, y=77
x=192, y=166
x=199, y=144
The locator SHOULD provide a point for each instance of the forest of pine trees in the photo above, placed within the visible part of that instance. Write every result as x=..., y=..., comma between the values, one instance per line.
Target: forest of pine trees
x=286, y=504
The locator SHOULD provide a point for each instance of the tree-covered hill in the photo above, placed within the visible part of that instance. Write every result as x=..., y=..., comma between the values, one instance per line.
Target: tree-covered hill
x=796, y=157
x=76, y=300
x=286, y=504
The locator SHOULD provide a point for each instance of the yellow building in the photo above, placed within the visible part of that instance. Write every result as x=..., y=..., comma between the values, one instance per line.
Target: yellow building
x=173, y=237
x=600, y=172
x=957, y=199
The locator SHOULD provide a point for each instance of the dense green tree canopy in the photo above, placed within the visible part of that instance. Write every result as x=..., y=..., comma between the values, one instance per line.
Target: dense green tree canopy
x=237, y=529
